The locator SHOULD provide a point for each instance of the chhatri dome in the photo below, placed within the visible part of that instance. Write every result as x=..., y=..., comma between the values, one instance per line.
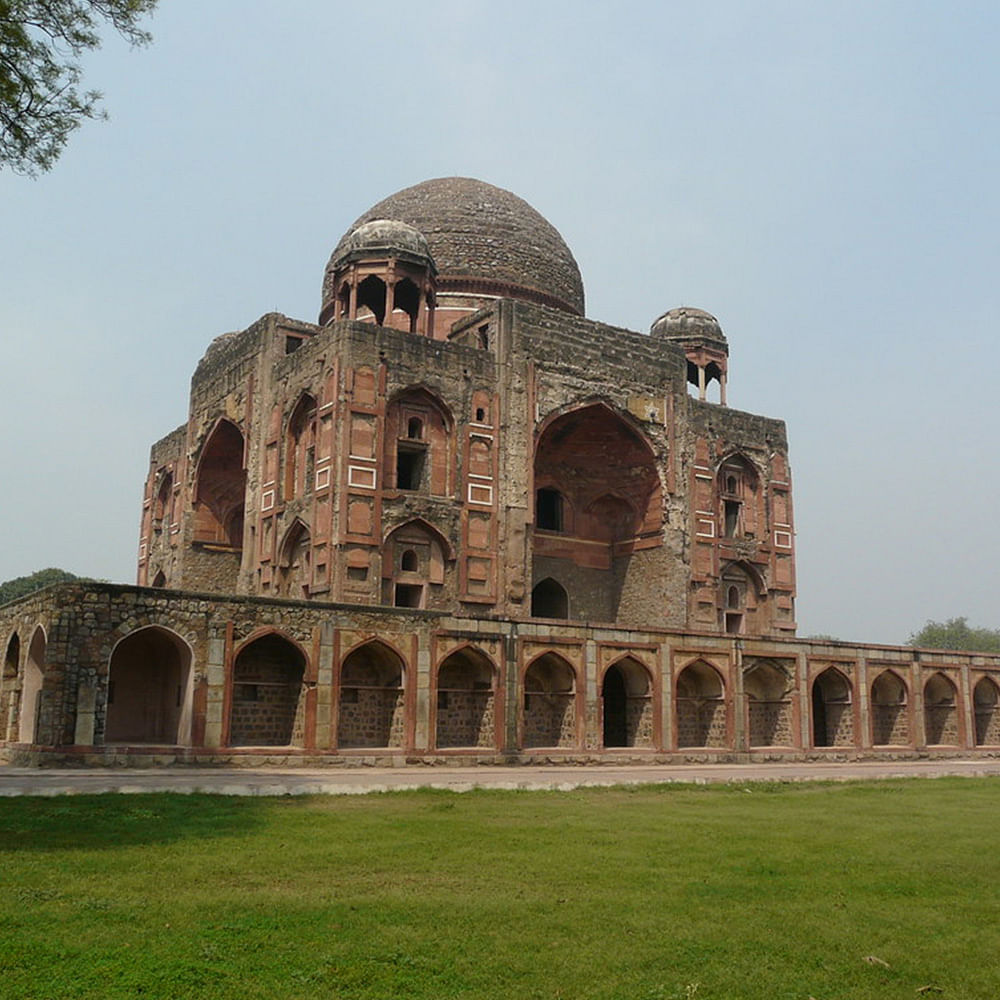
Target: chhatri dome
x=484, y=240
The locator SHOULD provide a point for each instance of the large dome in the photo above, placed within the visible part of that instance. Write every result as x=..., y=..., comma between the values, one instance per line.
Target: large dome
x=485, y=241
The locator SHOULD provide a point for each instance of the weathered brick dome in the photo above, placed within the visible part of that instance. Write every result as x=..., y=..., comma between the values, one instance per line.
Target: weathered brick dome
x=686, y=322
x=384, y=235
x=485, y=241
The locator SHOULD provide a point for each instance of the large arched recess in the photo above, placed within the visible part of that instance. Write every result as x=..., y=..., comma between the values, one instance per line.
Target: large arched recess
x=220, y=487
x=268, y=702
x=700, y=697
x=549, y=709
x=149, y=689
x=31, y=688
x=371, y=710
x=598, y=509
x=627, y=705
x=465, y=712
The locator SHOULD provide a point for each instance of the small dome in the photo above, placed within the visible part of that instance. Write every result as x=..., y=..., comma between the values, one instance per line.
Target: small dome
x=687, y=323
x=484, y=240
x=384, y=235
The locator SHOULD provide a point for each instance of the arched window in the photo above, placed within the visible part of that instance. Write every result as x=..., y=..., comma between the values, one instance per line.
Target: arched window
x=549, y=600
x=418, y=555
x=406, y=299
x=418, y=437
x=371, y=300
x=738, y=486
x=163, y=506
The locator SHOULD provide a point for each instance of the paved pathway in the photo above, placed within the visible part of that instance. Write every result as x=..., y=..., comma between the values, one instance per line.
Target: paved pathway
x=357, y=781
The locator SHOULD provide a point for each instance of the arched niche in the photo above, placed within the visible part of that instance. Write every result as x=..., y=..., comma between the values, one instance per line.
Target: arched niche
x=163, y=505
x=418, y=457
x=268, y=704
x=832, y=712
x=769, y=704
x=604, y=469
x=149, y=689
x=371, y=710
x=701, y=707
x=985, y=700
x=549, y=708
x=941, y=722
x=295, y=561
x=889, y=712
x=414, y=561
x=300, y=447
x=627, y=705
x=549, y=600
x=738, y=491
x=32, y=680
x=220, y=488
x=466, y=700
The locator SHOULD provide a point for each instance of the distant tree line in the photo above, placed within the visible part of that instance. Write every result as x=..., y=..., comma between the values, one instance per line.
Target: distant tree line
x=957, y=633
x=23, y=585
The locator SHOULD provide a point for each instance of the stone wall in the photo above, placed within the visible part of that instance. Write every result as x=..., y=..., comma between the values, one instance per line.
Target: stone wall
x=70, y=634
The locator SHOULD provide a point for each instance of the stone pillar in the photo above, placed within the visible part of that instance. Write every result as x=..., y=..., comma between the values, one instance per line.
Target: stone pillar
x=215, y=674
x=592, y=735
x=86, y=703
x=324, y=686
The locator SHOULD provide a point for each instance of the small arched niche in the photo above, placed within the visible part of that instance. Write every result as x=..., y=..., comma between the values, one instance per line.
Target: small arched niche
x=549, y=600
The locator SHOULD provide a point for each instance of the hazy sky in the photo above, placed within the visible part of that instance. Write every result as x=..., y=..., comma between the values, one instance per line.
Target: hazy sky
x=823, y=177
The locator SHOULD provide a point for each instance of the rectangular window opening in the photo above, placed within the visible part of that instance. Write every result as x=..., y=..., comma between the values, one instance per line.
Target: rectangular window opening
x=410, y=467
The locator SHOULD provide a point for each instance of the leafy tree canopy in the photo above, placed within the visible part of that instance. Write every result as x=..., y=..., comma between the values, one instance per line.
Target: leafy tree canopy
x=956, y=633
x=41, y=42
x=23, y=585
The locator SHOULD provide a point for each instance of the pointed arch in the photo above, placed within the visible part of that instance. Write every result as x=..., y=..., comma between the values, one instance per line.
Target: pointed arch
x=549, y=599
x=295, y=560
x=419, y=448
x=12, y=656
x=627, y=704
x=768, y=685
x=149, y=689
x=942, y=725
x=889, y=710
x=300, y=447
x=549, y=705
x=268, y=701
x=465, y=703
x=371, y=706
x=737, y=481
x=415, y=558
x=701, y=706
x=985, y=700
x=832, y=709
x=32, y=683
x=220, y=487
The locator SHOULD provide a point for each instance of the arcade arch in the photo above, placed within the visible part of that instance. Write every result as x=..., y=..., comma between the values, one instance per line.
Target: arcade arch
x=149, y=689
x=465, y=713
x=701, y=707
x=268, y=703
x=371, y=709
x=627, y=705
x=549, y=709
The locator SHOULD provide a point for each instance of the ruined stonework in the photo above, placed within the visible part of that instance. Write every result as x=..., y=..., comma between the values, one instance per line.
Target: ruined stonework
x=456, y=518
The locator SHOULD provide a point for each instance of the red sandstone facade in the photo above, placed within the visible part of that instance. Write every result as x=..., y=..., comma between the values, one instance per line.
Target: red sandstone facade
x=456, y=517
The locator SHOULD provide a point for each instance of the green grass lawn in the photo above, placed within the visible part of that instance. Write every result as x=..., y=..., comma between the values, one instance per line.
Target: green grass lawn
x=751, y=891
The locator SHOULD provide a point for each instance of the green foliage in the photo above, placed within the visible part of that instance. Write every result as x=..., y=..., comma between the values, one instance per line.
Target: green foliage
x=23, y=585
x=956, y=633
x=41, y=42
x=870, y=890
